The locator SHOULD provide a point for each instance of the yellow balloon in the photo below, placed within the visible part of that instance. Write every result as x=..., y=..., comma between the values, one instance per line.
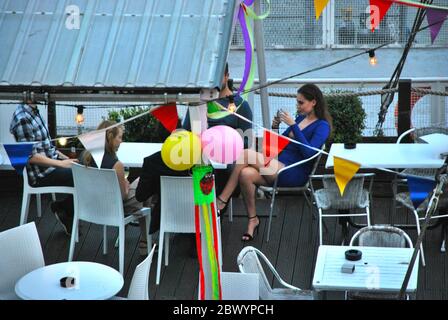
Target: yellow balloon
x=181, y=150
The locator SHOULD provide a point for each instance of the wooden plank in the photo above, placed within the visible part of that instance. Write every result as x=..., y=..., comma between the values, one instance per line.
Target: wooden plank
x=169, y=279
x=294, y=214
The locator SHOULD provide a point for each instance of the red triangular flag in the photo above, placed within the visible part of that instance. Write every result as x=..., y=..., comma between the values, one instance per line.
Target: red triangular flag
x=167, y=115
x=273, y=144
x=378, y=9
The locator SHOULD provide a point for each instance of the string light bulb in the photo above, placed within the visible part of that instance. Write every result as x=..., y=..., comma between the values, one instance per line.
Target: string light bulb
x=79, y=115
x=231, y=107
x=62, y=142
x=372, y=58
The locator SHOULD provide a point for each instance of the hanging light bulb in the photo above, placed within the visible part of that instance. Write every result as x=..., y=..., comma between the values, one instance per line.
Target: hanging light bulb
x=62, y=141
x=372, y=59
x=231, y=107
x=79, y=116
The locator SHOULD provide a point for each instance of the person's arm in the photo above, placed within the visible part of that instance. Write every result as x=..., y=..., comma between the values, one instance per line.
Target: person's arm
x=44, y=161
x=23, y=132
x=318, y=138
x=124, y=183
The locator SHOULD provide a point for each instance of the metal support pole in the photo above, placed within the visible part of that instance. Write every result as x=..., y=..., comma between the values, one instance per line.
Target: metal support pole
x=404, y=108
x=52, y=118
x=259, y=45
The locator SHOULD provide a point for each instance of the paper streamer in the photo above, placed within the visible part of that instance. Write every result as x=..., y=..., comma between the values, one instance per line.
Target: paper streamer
x=94, y=142
x=419, y=189
x=344, y=170
x=19, y=154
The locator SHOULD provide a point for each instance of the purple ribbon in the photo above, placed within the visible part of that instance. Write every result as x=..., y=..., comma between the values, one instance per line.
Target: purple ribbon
x=247, y=44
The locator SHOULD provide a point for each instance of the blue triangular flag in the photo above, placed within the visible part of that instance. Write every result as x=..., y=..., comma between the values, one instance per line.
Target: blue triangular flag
x=19, y=154
x=419, y=189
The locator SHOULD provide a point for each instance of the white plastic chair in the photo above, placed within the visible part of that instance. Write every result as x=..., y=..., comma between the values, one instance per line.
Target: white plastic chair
x=248, y=262
x=20, y=253
x=138, y=290
x=355, y=197
x=98, y=200
x=28, y=190
x=238, y=286
x=302, y=189
x=177, y=214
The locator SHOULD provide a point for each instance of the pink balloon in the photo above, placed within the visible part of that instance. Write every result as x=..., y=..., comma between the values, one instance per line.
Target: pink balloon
x=222, y=144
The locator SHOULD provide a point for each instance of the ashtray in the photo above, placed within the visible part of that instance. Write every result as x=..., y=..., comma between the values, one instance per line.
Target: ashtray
x=67, y=282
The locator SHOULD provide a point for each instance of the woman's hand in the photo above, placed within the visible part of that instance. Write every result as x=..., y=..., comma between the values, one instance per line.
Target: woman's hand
x=286, y=118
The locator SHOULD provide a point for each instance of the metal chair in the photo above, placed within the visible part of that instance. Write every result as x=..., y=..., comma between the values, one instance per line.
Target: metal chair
x=28, y=190
x=98, y=200
x=249, y=262
x=378, y=236
x=403, y=198
x=355, y=197
x=20, y=253
x=302, y=189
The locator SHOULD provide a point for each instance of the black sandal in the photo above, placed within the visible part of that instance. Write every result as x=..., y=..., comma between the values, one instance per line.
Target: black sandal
x=250, y=237
x=223, y=210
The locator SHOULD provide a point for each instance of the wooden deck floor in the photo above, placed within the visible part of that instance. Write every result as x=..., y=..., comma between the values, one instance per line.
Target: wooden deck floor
x=292, y=249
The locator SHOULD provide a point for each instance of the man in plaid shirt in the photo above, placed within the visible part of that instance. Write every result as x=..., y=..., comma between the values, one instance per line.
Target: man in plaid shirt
x=46, y=166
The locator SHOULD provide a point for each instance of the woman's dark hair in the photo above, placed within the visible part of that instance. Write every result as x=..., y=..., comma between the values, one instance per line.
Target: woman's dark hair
x=312, y=92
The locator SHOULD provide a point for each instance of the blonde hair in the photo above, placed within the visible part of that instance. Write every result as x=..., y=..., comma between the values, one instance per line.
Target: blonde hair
x=111, y=134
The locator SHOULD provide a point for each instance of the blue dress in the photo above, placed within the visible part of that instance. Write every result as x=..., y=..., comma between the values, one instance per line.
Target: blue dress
x=315, y=135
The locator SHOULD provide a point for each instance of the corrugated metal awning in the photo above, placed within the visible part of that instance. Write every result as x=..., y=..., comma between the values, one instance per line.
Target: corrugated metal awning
x=158, y=45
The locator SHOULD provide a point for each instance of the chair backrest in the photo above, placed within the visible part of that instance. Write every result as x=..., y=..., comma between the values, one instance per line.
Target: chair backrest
x=240, y=286
x=353, y=193
x=177, y=204
x=248, y=262
x=138, y=290
x=25, y=178
x=381, y=236
x=316, y=162
x=20, y=253
x=97, y=195
x=420, y=132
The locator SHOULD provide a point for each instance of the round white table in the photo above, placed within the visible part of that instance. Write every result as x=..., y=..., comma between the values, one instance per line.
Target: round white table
x=94, y=281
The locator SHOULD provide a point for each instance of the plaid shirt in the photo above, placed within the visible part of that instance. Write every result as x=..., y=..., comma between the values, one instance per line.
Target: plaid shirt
x=28, y=126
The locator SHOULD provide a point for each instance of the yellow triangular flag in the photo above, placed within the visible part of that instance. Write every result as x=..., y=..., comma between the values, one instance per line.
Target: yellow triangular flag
x=344, y=170
x=319, y=6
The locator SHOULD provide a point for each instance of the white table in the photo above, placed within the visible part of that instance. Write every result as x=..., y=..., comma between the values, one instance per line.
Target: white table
x=388, y=155
x=380, y=269
x=94, y=282
x=438, y=141
x=132, y=154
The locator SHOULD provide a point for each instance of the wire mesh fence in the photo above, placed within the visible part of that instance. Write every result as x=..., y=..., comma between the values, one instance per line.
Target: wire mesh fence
x=427, y=109
x=292, y=25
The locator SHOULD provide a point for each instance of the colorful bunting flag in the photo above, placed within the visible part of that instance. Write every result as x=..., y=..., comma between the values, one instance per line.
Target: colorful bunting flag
x=419, y=189
x=167, y=115
x=319, y=6
x=344, y=170
x=18, y=154
x=204, y=195
x=378, y=9
x=435, y=20
x=94, y=142
x=273, y=144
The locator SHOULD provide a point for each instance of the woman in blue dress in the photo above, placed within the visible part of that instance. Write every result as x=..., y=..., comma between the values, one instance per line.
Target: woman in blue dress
x=312, y=127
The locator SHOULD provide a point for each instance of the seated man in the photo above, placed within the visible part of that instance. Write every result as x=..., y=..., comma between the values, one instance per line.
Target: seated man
x=46, y=166
x=154, y=167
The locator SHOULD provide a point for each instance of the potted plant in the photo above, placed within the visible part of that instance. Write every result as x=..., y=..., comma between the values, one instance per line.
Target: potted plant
x=348, y=119
x=144, y=129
